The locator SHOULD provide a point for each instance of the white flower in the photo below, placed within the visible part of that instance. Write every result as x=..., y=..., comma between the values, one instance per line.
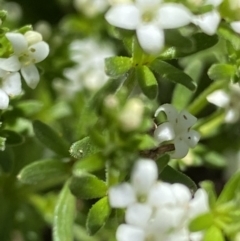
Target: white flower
x=177, y=129
x=164, y=214
x=29, y=49
x=10, y=85
x=88, y=72
x=229, y=101
x=235, y=26
x=208, y=22
x=91, y=7
x=149, y=19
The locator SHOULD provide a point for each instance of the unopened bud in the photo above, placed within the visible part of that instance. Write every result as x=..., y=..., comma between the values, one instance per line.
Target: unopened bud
x=132, y=114
x=33, y=37
x=111, y=102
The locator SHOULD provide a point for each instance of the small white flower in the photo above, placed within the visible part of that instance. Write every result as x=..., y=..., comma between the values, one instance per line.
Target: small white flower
x=149, y=19
x=166, y=212
x=229, y=101
x=91, y=7
x=10, y=85
x=88, y=72
x=29, y=49
x=208, y=22
x=177, y=129
x=235, y=26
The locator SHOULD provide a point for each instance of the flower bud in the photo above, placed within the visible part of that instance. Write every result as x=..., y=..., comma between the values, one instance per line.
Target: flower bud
x=33, y=37
x=111, y=102
x=131, y=116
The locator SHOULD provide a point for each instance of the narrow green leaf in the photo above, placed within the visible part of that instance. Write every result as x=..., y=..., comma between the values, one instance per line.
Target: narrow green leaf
x=98, y=216
x=13, y=138
x=213, y=233
x=162, y=162
x=87, y=186
x=82, y=148
x=44, y=171
x=64, y=216
x=201, y=222
x=209, y=187
x=90, y=163
x=147, y=81
x=230, y=189
x=50, y=138
x=169, y=72
x=171, y=175
x=222, y=72
x=117, y=66
x=181, y=97
x=6, y=160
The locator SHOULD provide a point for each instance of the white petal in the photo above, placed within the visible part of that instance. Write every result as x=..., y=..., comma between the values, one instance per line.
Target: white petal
x=185, y=120
x=4, y=100
x=170, y=111
x=39, y=51
x=208, y=22
x=232, y=115
x=31, y=75
x=125, y=16
x=196, y=236
x=199, y=204
x=129, y=233
x=151, y=38
x=138, y=214
x=161, y=195
x=191, y=137
x=12, y=84
x=164, y=132
x=173, y=15
x=181, y=149
x=121, y=196
x=181, y=193
x=168, y=218
x=179, y=235
x=235, y=26
x=18, y=42
x=144, y=175
x=219, y=98
x=10, y=64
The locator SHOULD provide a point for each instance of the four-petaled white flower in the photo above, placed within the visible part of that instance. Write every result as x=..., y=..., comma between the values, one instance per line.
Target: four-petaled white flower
x=156, y=210
x=208, y=22
x=149, y=19
x=29, y=49
x=229, y=101
x=177, y=129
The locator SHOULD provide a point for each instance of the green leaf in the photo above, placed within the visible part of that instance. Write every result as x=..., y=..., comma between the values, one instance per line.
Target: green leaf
x=215, y=160
x=222, y=72
x=90, y=163
x=82, y=148
x=169, y=72
x=117, y=66
x=209, y=187
x=44, y=171
x=171, y=175
x=50, y=138
x=201, y=222
x=98, y=216
x=87, y=186
x=64, y=214
x=181, y=96
x=13, y=138
x=162, y=162
x=213, y=233
x=230, y=189
x=30, y=107
x=6, y=160
x=147, y=81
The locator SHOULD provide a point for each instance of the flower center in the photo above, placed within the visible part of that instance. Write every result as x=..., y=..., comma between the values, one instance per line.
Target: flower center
x=148, y=15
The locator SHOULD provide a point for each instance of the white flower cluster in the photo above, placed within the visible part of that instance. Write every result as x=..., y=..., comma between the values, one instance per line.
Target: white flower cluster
x=155, y=210
x=89, y=55
x=150, y=18
x=29, y=49
x=177, y=129
x=230, y=101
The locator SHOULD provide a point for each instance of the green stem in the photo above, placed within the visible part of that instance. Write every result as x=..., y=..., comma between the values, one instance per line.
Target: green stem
x=201, y=101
